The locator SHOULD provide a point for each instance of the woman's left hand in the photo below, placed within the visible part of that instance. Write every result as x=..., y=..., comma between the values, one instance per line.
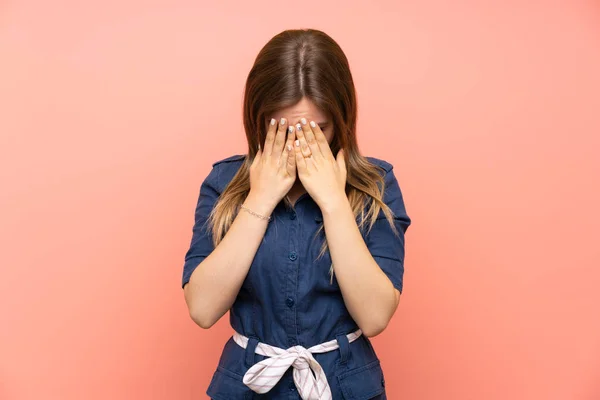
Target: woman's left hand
x=322, y=175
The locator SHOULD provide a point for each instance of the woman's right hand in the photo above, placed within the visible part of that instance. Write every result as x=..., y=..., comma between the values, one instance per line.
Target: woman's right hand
x=273, y=170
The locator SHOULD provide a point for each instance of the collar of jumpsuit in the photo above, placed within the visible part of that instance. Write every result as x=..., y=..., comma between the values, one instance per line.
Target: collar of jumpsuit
x=293, y=336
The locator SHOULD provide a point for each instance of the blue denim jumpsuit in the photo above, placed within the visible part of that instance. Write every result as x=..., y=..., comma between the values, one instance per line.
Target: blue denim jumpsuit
x=287, y=299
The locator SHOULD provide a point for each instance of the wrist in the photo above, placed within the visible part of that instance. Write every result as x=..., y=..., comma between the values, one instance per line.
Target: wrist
x=333, y=204
x=259, y=205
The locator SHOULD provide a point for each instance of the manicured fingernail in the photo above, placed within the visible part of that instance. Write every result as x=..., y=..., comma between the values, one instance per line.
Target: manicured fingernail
x=272, y=121
x=313, y=124
x=290, y=129
x=298, y=127
x=282, y=122
x=289, y=147
x=303, y=120
x=297, y=143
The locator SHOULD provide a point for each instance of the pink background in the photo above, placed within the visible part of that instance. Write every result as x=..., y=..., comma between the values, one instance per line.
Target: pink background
x=111, y=114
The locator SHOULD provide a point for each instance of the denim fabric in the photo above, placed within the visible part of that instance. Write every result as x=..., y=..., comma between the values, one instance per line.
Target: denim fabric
x=287, y=299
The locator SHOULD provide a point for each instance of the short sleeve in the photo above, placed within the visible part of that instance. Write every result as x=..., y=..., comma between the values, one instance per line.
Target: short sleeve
x=385, y=246
x=201, y=244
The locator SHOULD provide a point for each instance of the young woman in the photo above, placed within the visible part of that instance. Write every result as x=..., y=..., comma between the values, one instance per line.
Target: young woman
x=301, y=239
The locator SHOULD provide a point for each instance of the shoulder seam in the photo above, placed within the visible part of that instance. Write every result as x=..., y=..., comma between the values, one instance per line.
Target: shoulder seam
x=385, y=165
x=235, y=157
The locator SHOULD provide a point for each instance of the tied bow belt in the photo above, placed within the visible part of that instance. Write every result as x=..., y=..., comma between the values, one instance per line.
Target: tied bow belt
x=262, y=376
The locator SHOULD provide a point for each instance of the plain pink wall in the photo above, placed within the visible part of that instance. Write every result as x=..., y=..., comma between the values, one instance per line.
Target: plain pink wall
x=111, y=114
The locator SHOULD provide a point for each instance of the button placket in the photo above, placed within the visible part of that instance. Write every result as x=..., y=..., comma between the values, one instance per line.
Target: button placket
x=291, y=280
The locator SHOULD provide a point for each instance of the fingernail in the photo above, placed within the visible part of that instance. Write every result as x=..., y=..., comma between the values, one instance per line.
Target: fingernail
x=282, y=122
x=289, y=147
x=290, y=129
x=298, y=127
x=272, y=121
x=303, y=120
x=297, y=143
x=313, y=124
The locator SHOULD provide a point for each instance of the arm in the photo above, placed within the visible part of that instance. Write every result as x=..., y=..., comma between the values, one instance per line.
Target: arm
x=370, y=271
x=368, y=293
x=216, y=281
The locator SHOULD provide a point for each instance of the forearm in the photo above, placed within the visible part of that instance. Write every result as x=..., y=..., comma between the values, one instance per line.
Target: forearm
x=216, y=282
x=368, y=293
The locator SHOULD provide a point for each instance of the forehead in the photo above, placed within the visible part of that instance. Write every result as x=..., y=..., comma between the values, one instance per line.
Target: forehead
x=303, y=109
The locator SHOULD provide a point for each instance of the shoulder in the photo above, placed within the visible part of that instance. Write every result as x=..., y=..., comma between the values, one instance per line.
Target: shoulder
x=237, y=158
x=386, y=170
x=225, y=169
x=392, y=196
x=386, y=165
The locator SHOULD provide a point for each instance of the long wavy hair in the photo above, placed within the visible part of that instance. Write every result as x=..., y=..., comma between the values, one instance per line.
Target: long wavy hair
x=294, y=64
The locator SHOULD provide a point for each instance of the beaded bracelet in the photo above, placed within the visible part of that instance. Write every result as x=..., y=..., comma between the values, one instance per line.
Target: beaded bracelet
x=256, y=214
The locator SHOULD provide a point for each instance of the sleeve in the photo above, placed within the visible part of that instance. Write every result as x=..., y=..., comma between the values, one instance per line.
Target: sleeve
x=201, y=244
x=385, y=246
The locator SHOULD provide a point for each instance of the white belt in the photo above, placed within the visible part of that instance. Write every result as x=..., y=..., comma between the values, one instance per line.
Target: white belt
x=262, y=376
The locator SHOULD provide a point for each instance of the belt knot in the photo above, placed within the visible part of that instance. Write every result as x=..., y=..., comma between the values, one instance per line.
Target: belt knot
x=309, y=376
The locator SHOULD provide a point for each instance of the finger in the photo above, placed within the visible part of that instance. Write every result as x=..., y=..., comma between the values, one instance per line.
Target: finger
x=300, y=161
x=288, y=144
x=321, y=140
x=291, y=136
x=256, y=158
x=291, y=160
x=341, y=160
x=291, y=154
x=270, y=139
x=303, y=145
x=310, y=139
x=278, y=144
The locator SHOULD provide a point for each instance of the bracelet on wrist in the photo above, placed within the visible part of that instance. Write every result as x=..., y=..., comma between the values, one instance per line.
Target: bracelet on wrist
x=265, y=217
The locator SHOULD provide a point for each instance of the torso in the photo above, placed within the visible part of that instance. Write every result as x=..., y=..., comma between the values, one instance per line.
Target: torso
x=288, y=298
